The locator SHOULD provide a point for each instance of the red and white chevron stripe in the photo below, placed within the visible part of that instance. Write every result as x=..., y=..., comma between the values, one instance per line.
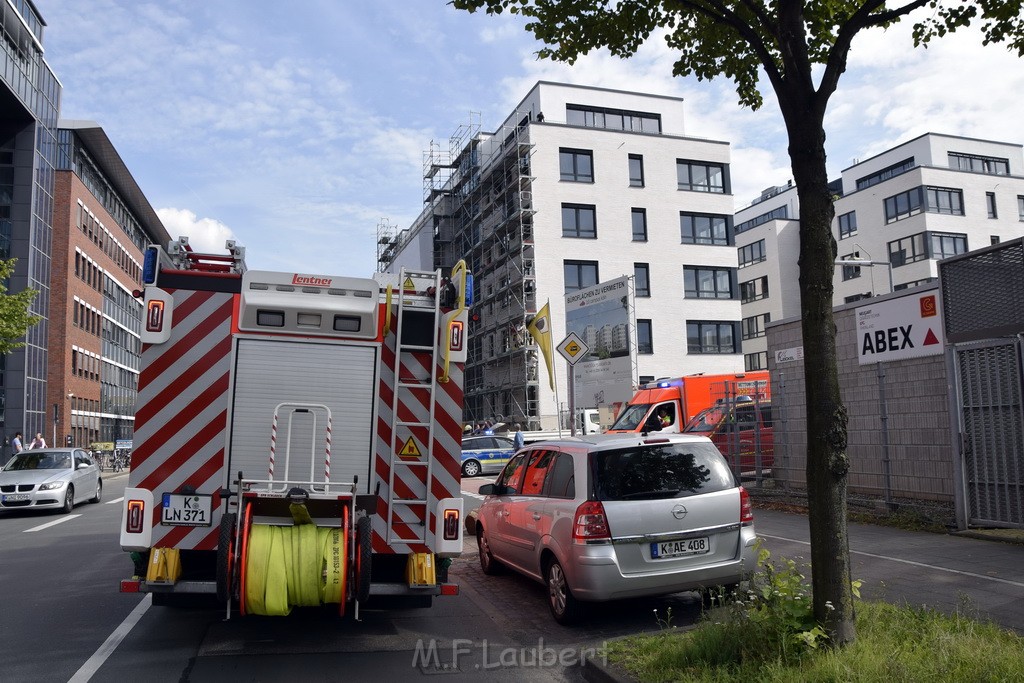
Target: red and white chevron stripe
x=181, y=412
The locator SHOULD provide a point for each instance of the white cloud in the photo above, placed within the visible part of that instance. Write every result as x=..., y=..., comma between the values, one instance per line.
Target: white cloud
x=205, y=235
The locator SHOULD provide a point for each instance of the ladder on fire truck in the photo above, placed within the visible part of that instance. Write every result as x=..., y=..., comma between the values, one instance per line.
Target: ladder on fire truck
x=414, y=391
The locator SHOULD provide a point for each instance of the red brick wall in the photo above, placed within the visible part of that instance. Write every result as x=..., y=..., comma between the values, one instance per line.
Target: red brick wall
x=68, y=238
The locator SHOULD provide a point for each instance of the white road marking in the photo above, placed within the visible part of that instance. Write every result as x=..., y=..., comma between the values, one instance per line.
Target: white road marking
x=49, y=524
x=116, y=500
x=911, y=562
x=93, y=664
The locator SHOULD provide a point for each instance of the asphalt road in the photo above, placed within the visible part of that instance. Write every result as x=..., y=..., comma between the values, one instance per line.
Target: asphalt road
x=62, y=619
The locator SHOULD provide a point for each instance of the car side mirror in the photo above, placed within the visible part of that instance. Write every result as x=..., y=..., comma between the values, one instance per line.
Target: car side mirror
x=486, y=490
x=83, y=466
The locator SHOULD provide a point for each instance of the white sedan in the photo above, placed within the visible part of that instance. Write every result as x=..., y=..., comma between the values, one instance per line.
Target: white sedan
x=49, y=478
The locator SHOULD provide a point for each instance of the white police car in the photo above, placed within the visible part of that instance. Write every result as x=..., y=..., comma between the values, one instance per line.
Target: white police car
x=485, y=454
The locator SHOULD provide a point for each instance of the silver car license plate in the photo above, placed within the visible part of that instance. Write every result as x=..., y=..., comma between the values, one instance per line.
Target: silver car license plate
x=16, y=497
x=689, y=546
x=186, y=510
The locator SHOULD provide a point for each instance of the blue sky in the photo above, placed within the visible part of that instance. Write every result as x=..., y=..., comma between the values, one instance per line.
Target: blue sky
x=297, y=127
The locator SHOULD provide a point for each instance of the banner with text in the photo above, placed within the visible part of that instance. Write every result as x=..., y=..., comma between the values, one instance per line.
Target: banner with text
x=600, y=316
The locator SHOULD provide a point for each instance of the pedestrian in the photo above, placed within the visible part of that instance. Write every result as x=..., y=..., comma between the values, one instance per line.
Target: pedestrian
x=518, y=438
x=16, y=446
x=38, y=442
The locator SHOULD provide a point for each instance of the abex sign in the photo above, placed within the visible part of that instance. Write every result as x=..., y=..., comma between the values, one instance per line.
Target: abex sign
x=907, y=327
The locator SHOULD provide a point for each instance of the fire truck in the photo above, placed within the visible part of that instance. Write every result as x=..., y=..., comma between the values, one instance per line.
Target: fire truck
x=297, y=436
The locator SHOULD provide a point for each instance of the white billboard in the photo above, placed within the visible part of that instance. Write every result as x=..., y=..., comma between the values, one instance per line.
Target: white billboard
x=600, y=316
x=907, y=327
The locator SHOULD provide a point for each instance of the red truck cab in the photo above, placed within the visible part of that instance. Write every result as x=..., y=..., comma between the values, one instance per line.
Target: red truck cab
x=668, y=404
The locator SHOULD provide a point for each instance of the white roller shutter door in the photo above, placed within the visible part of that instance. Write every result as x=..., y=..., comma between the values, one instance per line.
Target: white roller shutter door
x=270, y=372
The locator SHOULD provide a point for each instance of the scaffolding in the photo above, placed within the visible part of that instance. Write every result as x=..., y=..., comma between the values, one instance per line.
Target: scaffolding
x=479, y=191
x=387, y=243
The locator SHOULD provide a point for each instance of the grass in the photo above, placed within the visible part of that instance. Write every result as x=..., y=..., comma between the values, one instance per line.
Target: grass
x=894, y=644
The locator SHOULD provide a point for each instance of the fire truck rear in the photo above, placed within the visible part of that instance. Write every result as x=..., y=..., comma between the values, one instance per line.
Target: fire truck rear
x=297, y=436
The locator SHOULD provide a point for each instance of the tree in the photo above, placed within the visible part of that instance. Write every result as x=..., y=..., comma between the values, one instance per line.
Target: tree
x=783, y=41
x=14, y=316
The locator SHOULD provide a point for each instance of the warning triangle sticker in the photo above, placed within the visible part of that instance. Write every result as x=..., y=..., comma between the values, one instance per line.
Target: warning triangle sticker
x=930, y=338
x=408, y=286
x=410, y=449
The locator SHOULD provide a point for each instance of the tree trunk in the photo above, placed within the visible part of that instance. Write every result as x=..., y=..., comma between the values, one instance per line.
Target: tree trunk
x=827, y=461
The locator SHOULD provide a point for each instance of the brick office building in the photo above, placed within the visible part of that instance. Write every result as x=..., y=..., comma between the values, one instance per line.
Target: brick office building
x=102, y=223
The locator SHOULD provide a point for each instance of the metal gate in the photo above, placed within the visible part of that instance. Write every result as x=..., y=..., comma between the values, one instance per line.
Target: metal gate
x=989, y=382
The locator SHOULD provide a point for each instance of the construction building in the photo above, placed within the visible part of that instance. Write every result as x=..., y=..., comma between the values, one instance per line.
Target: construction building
x=579, y=186
x=898, y=214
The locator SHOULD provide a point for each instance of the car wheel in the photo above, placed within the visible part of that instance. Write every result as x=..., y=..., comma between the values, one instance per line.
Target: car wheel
x=99, y=492
x=69, y=500
x=565, y=608
x=488, y=564
x=470, y=468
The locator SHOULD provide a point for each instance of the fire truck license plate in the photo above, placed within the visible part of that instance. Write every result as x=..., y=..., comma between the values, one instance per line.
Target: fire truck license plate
x=182, y=510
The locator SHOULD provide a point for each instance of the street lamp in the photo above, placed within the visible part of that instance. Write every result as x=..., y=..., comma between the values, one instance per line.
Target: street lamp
x=868, y=263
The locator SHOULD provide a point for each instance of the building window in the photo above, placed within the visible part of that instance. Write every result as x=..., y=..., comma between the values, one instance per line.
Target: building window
x=990, y=204
x=644, y=338
x=707, y=283
x=993, y=239
x=700, y=176
x=642, y=279
x=885, y=173
x=776, y=213
x=753, y=326
x=579, y=220
x=944, y=244
x=847, y=224
x=710, y=337
x=576, y=165
x=613, y=119
x=925, y=245
x=636, y=170
x=699, y=228
x=752, y=253
x=851, y=272
x=979, y=164
x=1020, y=207
x=639, y=218
x=753, y=290
x=857, y=297
x=579, y=274
x=931, y=199
x=755, y=361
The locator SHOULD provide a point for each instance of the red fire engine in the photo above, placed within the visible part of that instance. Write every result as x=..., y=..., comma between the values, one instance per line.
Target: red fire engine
x=297, y=436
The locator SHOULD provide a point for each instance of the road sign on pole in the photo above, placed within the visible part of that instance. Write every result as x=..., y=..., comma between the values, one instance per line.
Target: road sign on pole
x=573, y=348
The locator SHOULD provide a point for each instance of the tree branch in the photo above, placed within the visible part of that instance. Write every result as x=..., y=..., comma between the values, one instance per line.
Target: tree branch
x=858, y=21
x=719, y=12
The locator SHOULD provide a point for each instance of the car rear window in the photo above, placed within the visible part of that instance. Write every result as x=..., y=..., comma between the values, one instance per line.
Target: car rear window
x=648, y=472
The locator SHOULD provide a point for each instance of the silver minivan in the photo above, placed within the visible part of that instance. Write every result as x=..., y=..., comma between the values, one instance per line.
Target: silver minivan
x=606, y=517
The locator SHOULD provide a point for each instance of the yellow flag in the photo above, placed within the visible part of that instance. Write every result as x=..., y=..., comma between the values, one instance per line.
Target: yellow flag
x=540, y=328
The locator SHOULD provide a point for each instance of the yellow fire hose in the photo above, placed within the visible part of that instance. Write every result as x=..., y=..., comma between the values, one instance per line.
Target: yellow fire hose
x=293, y=566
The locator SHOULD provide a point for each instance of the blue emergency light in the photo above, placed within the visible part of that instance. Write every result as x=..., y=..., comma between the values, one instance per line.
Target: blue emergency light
x=149, y=265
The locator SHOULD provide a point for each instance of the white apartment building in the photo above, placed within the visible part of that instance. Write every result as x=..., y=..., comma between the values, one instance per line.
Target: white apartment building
x=577, y=186
x=905, y=209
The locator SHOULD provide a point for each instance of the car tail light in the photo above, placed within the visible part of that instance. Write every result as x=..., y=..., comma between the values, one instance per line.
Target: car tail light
x=590, y=523
x=746, y=509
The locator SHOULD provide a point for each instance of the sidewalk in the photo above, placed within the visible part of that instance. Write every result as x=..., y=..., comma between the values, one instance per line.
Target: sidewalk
x=966, y=571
